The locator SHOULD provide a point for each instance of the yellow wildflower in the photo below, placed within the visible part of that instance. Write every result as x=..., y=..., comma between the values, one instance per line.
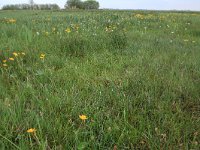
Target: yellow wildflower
x=31, y=130
x=4, y=61
x=42, y=56
x=68, y=30
x=12, y=20
x=83, y=117
x=15, y=54
x=12, y=59
x=140, y=16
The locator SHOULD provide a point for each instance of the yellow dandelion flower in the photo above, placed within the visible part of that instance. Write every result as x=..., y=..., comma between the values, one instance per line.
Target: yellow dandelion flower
x=4, y=61
x=12, y=59
x=83, y=117
x=15, y=54
x=31, y=130
x=42, y=56
x=68, y=30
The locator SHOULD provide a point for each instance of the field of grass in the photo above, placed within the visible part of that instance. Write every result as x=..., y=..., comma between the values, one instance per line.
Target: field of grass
x=135, y=75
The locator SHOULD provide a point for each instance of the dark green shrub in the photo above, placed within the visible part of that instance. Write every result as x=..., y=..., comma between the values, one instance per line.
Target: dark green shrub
x=118, y=40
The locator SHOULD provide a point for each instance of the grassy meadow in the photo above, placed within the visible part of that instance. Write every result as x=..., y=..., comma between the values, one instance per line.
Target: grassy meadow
x=134, y=76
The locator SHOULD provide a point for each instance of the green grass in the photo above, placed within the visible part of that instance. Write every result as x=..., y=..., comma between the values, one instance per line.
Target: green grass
x=134, y=74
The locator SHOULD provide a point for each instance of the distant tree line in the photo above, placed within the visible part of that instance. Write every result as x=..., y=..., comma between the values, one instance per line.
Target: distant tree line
x=78, y=4
x=70, y=4
x=31, y=6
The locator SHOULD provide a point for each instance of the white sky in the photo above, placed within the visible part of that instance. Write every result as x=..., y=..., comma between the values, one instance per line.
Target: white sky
x=127, y=4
